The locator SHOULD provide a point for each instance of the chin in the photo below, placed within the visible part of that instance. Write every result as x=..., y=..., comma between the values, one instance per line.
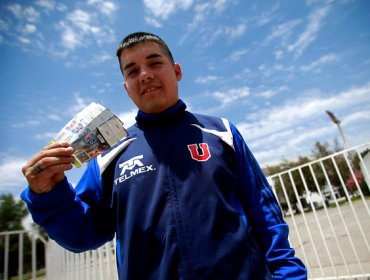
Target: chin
x=156, y=106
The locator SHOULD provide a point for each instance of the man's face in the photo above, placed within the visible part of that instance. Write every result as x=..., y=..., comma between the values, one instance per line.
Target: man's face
x=150, y=77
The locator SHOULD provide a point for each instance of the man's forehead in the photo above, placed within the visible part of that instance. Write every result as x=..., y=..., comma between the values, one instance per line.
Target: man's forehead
x=142, y=49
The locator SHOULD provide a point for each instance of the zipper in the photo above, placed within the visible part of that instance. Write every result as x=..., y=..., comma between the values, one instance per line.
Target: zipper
x=175, y=203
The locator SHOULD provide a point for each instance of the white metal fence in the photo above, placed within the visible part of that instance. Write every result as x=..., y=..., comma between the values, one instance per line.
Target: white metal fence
x=325, y=202
x=90, y=265
x=328, y=213
x=13, y=260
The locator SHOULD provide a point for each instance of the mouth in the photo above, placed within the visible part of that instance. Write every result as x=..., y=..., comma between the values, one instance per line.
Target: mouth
x=150, y=90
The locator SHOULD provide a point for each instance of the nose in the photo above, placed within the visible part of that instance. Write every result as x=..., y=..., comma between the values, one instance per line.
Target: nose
x=145, y=75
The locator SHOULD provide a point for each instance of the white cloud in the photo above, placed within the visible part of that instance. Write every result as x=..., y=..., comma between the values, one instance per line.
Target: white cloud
x=315, y=22
x=289, y=143
x=165, y=8
x=27, y=123
x=16, y=9
x=51, y=5
x=24, y=41
x=201, y=11
x=236, y=31
x=268, y=71
x=78, y=105
x=29, y=29
x=357, y=116
x=46, y=136
x=322, y=60
x=81, y=27
x=206, y=9
x=272, y=138
x=219, y=5
x=24, y=13
x=268, y=93
x=228, y=32
x=70, y=39
x=31, y=14
x=299, y=120
x=282, y=31
x=267, y=15
x=153, y=22
x=272, y=92
x=48, y=5
x=21, y=13
x=242, y=75
x=60, y=7
x=3, y=25
x=205, y=80
x=209, y=10
x=236, y=55
x=21, y=26
x=107, y=8
x=278, y=54
x=11, y=176
x=54, y=117
x=101, y=58
x=229, y=96
x=90, y=23
x=82, y=20
x=128, y=118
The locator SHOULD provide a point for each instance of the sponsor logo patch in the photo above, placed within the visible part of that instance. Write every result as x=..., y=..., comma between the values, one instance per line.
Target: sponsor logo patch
x=132, y=167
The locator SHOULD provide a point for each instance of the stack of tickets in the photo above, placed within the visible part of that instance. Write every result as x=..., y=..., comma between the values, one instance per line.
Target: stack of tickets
x=90, y=132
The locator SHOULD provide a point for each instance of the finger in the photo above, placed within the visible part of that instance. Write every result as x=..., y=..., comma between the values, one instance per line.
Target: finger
x=36, y=169
x=46, y=181
x=44, y=164
x=56, y=145
x=51, y=151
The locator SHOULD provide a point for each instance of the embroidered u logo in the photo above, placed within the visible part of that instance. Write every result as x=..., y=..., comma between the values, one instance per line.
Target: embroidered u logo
x=194, y=152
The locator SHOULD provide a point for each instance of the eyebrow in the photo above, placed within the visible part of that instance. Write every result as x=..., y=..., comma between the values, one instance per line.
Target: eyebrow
x=150, y=56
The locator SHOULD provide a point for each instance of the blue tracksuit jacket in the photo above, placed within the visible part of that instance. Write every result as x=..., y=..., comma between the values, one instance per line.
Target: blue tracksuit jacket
x=185, y=198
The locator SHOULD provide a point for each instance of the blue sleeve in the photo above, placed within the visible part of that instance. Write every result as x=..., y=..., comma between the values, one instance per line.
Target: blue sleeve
x=264, y=215
x=77, y=219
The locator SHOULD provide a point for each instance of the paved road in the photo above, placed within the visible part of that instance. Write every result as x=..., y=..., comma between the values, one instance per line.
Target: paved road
x=346, y=232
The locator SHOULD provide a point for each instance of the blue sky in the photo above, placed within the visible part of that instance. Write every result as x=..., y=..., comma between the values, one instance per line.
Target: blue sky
x=272, y=67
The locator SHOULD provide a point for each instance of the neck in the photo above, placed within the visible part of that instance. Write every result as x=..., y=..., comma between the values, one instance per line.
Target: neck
x=165, y=117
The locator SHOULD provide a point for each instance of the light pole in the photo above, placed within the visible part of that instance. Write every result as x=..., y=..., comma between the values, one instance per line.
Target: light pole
x=337, y=122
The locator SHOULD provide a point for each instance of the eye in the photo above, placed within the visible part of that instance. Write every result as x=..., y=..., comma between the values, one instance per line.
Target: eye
x=131, y=72
x=156, y=63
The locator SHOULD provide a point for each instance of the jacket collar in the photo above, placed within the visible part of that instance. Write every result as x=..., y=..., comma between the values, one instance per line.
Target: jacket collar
x=159, y=119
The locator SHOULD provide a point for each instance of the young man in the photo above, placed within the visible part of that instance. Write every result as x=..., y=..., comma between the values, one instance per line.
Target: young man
x=182, y=193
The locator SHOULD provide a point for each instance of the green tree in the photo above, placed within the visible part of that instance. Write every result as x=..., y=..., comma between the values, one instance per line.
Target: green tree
x=11, y=213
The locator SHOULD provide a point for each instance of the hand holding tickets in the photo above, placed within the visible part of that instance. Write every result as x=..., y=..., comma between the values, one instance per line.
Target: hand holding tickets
x=90, y=132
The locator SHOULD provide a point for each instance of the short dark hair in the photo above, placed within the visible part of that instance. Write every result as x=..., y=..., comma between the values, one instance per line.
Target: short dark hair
x=140, y=37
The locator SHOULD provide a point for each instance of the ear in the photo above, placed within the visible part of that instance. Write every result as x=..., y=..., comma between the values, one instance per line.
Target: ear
x=178, y=72
x=125, y=86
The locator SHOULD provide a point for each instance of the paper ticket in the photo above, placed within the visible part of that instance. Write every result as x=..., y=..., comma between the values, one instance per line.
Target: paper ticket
x=90, y=132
